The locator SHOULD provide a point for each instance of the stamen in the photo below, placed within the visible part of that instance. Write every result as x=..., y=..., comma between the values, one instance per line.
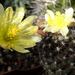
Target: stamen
x=13, y=31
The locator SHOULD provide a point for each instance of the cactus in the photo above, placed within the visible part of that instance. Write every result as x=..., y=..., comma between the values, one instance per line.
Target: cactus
x=57, y=53
x=57, y=50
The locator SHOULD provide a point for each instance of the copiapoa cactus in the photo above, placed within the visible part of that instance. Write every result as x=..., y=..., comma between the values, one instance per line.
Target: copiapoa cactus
x=57, y=49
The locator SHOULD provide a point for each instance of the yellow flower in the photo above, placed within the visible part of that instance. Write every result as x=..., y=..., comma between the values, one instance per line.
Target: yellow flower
x=16, y=34
x=58, y=22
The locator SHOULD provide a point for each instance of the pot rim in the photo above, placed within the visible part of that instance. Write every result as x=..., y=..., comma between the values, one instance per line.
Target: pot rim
x=36, y=67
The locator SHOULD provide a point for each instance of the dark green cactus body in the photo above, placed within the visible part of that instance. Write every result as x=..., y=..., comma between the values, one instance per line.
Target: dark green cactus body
x=58, y=54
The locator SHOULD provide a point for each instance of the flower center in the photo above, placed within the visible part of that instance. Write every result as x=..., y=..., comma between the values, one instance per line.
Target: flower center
x=13, y=31
x=58, y=20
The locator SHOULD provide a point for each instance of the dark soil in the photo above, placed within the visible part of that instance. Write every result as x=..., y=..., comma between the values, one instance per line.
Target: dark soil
x=7, y=60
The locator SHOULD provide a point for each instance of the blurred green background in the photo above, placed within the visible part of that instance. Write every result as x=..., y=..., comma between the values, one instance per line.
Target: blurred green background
x=58, y=5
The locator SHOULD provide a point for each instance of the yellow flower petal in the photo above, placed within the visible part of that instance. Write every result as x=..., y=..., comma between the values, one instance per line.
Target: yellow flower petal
x=18, y=16
x=26, y=22
x=50, y=13
x=64, y=31
x=2, y=17
x=20, y=49
x=5, y=46
x=69, y=15
x=55, y=29
x=30, y=19
x=47, y=17
x=47, y=28
x=9, y=14
x=30, y=31
x=36, y=38
x=26, y=43
x=1, y=10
